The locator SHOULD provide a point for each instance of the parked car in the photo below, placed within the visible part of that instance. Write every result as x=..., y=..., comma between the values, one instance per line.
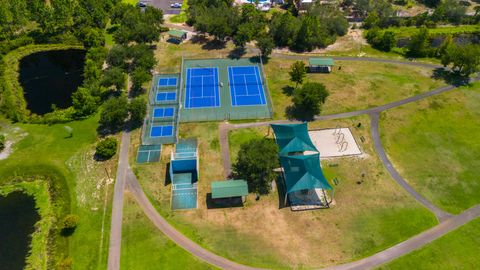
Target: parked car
x=141, y=4
x=176, y=5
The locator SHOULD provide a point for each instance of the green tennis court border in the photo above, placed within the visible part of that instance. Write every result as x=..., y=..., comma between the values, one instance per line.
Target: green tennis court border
x=226, y=111
x=148, y=153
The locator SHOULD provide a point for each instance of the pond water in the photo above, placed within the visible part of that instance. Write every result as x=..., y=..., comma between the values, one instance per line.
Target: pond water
x=436, y=41
x=17, y=219
x=49, y=78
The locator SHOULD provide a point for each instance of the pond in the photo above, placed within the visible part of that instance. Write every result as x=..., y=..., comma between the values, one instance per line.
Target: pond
x=17, y=219
x=49, y=78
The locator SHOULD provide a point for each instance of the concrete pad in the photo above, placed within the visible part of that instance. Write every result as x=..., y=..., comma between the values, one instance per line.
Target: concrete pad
x=335, y=142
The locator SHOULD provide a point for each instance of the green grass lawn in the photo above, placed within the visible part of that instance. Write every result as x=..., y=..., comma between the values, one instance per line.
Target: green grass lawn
x=435, y=145
x=145, y=247
x=368, y=217
x=456, y=250
x=358, y=85
x=47, y=151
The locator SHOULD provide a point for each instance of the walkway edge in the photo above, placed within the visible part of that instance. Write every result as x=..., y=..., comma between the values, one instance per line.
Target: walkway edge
x=181, y=240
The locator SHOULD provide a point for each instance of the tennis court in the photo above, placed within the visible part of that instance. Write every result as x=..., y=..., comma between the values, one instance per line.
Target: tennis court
x=161, y=131
x=160, y=113
x=202, y=88
x=246, y=88
x=167, y=82
x=148, y=153
x=166, y=96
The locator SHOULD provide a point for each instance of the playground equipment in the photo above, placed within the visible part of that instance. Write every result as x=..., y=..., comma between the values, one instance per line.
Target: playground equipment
x=340, y=139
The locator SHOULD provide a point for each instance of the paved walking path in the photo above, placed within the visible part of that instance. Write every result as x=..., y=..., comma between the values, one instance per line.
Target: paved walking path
x=181, y=240
x=439, y=213
x=117, y=206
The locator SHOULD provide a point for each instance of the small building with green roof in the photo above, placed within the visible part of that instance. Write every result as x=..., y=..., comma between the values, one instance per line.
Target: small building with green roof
x=229, y=189
x=178, y=35
x=320, y=64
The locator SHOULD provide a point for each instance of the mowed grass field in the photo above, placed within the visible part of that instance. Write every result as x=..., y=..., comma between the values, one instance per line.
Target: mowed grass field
x=456, y=250
x=434, y=143
x=145, y=247
x=369, y=215
x=42, y=149
x=357, y=85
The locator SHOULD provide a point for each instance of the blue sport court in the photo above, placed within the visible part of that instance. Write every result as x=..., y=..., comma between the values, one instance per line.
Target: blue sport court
x=202, y=88
x=167, y=82
x=166, y=96
x=163, y=112
x=246, y=88
x=161, y=131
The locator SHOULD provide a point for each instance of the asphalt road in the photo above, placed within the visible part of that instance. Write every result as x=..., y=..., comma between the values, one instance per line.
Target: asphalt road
x=164, y=5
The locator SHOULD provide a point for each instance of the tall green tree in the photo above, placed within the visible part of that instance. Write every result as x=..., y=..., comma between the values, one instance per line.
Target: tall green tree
x=114, y=114
x=308, y=99
x=83, y=102
x=114, y=76
x=255, y=163
x=266, y=44
x=284, y=29
x=297, y=72
x=138, y=111
x=419, y=44
x=464, y=59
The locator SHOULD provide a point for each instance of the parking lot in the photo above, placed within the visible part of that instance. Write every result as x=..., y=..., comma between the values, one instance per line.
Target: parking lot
x=164, y=5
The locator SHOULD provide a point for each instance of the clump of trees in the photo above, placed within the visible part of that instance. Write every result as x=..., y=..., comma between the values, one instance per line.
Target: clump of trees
x=106, y=148
x=255, y=163
x=381, y=40
x=319, y=27
x=307, y=101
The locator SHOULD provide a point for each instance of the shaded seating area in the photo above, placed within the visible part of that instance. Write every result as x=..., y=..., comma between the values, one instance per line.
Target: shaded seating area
x=320, y=64
x=184, y=174
x=224, y=192
x=305, y=184
x=177, y=36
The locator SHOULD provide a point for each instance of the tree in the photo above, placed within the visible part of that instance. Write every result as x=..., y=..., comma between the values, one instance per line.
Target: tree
x=114, y=76
x=297, y=72
x=255, y=163
x=115, y=111
x=454, y=10
x=83, y=102
x=2, y=142
x=266, y=44
x=446, y=44
x=69, y=224
x=106, y=148
x=419, y=44
x=92, y=37
x=464, y=59
x=138, y=110
x=117, y=56
x=308, y=99
x=371, y=21
x=139, y=77
x=284, y=29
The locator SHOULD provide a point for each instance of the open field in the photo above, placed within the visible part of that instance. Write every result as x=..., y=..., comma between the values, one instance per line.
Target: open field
x=434, y=145
x=358, y=85
x=139, y=236
x=457, y=250
x=369, y=216
x=46, y=152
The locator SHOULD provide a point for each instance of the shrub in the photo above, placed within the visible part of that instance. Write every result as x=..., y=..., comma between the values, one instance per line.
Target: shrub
x=69, y=224
x=106, y=148
x=2, y=142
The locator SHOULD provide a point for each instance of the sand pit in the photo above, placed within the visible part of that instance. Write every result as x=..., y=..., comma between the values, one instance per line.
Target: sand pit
x=335, y=142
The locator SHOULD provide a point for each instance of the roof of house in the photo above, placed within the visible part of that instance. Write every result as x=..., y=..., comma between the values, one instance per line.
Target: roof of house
x=303, y=172
x=320, y=61
x=229, y=188
x=293, y=138
x=176, y=33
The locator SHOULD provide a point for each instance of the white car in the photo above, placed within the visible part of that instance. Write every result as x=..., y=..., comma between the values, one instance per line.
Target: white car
x=176, y=5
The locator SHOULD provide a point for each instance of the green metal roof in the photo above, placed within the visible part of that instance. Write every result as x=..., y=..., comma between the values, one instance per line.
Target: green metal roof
x=317, y=61
x=293, y=138
x=303, y=172
x=229, y=188
x=176, y=33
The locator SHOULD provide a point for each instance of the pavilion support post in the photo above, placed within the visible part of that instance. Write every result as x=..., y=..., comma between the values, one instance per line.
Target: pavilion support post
x=285, y=202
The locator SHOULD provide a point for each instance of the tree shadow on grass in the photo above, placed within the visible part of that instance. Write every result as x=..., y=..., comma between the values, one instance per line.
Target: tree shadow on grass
x=450, y=77
x=66, y=232
x=299, y=113
x=288, y=90
x=214, y=44
x=237, y=53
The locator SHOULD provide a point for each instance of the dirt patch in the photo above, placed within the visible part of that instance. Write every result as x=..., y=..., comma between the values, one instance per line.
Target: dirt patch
x=13, y=136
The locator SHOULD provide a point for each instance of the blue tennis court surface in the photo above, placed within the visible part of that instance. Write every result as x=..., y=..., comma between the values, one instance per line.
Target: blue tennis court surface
x=246, y=88
x=202, y=88
x=161, y=131
x=166, y=96
x=163, y=112
x=165, y=82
